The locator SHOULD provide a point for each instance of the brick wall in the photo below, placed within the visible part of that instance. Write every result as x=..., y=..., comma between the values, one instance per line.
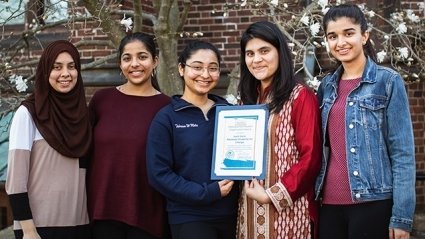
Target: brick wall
x=416, y=93
x=207, y=16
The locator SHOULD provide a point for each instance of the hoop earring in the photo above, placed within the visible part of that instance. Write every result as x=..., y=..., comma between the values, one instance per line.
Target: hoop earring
x=153, y=73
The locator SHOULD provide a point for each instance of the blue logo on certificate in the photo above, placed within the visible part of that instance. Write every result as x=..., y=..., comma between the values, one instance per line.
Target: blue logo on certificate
x=230, y=163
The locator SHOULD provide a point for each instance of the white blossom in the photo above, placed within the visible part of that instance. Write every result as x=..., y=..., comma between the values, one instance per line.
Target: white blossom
x=325, y=10
x=305, y=20
x=412, y=16
x=231, y=99
x=397, y=16
x=285, y=5
x=381, y=56
x=401, y=29
x=20, y=83
x=127, y=23
x=313, y=83
x=404, y=52
x=421, y=5
x=371, y=13
x=243, y=4
x=369, y=27
x=322, y=3
x=197, y=34
x=326, y=44
x=386, y=37
x=315, y=28
x=13, y=78
x=274, y=2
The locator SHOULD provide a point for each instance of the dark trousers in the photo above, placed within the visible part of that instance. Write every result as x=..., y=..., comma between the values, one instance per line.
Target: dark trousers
x=109, y=229
x=223, y=229
x=368, y=220
x=80, y=232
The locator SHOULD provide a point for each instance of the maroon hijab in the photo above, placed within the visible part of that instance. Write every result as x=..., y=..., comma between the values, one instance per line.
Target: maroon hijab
x=61, y=118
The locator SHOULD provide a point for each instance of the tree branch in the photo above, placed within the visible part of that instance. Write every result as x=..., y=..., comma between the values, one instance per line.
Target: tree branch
x=98, y=62
x=183, y=15
x=138, y=19
x=95, y=43
x=103, y=15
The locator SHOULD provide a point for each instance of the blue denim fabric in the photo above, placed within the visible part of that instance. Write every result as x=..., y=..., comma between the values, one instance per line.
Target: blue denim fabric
x=379, y=140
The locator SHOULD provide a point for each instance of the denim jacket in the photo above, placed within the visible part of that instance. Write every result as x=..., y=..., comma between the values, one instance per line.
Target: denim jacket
x=379, y=140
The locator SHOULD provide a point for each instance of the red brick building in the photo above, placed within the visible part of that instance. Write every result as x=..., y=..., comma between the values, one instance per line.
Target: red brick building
x=207, y=16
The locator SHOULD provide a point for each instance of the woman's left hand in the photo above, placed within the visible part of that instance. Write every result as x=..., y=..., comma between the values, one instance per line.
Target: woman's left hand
x=396, y=233
x=254, y=189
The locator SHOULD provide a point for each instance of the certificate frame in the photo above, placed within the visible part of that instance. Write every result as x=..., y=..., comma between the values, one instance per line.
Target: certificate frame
x=240, y=142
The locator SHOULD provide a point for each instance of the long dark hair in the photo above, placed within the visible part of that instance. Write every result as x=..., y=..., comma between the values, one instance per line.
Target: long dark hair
x=283, y=80
x=357, y=17
x=149, y=42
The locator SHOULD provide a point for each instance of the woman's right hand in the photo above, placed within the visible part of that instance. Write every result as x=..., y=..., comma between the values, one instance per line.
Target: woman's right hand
x=29, y=230
x=225, y=187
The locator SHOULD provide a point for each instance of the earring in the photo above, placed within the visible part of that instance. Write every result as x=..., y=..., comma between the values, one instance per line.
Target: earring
x=153, y=72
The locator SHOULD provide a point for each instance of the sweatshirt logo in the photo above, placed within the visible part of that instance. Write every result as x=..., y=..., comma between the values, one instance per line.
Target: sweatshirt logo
x=190, y=125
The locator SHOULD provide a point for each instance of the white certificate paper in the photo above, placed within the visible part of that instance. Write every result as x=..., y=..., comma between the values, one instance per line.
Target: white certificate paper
x=240, y=142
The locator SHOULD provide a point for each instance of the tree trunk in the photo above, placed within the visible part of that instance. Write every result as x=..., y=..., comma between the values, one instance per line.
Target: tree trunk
x=101, y=13
x=167, y=73
x=169, y=23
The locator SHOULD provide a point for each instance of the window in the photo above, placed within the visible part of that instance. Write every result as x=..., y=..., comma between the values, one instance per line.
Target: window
x=45, y=11
x=12, y=12
x=55, y=10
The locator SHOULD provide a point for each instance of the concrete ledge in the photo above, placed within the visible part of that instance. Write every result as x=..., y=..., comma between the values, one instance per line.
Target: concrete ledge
x=7, y=233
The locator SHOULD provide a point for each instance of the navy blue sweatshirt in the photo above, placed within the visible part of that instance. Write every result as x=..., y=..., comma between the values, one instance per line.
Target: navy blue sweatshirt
x=179, y=155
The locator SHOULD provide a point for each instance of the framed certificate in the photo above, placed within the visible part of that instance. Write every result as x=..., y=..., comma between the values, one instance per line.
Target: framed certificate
x=240, y=137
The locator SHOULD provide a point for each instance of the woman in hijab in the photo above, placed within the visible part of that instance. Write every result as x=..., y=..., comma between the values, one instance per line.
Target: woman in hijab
x=50, y=131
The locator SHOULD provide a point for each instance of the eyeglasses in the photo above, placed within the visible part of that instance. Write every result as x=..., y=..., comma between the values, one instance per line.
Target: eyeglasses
x=199, y=70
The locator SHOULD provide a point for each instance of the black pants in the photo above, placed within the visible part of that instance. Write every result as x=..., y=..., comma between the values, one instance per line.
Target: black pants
x=80, y=232
x=368, y=220
x=223, y=229
x=109, y=229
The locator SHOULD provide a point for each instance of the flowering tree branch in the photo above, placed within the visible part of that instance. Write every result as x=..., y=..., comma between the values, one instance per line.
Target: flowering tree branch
x=399, y=39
